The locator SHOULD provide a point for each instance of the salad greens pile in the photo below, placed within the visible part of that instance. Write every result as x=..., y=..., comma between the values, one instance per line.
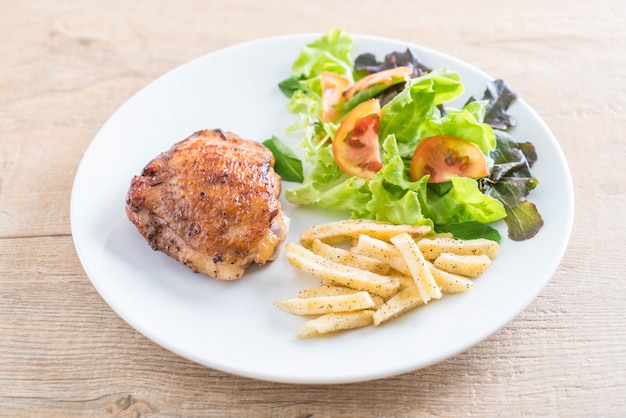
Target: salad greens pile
x=410, y=111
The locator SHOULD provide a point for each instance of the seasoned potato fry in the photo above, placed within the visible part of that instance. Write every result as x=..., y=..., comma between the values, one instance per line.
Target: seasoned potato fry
x=326, y=250
x=349, y=258
x=382, y=251
x=433, y=247
x=334, y=322
x=416, y=264
x=334, y=291
x=441, y=235
x=327, y=304
x=339, y=231
x=405, y=280
x=336, y=274
x=465, y=265
x=373, y=271
x=450, y=283
x=402, y=302
x=383, y=289
x=325, y=291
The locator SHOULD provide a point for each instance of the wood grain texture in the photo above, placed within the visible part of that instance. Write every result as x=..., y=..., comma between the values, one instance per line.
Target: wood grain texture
x=67, y=66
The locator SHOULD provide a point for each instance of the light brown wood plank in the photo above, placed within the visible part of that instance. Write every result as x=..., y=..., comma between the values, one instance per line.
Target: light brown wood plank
x=67, y=66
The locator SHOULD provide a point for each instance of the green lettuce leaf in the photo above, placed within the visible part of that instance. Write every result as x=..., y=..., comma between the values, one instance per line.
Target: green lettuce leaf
x=287, y=164
x=461, y=200
x=394, y=198
x=465, y=124
x=470, y=230
x=322, y=175
x=405, y=113
x=330, y=52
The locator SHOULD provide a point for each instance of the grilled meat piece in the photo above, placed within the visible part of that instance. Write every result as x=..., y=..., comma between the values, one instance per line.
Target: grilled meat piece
x=211, y=202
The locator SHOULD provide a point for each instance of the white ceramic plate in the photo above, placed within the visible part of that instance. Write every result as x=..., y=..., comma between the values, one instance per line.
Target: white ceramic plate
x=234, y=326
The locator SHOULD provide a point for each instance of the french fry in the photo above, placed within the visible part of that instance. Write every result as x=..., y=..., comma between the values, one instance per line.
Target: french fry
x=416, y=264
x=336, y=274
x=326, y=304
x=334, y=232
x=378, y=272
x=402, y=302
x=324, y=290
x=464, y=265
x=326, y=250
x=433, y=247
x=450, y=283
x=382, y=251
x=349, y=258
x=334, y=322
x=405, y=280
x=441, y=235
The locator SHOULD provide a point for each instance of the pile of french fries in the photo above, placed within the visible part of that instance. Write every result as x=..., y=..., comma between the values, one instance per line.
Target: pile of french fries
x=373, y=271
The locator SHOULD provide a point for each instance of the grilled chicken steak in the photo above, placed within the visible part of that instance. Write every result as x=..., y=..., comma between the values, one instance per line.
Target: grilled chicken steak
x=211, y=202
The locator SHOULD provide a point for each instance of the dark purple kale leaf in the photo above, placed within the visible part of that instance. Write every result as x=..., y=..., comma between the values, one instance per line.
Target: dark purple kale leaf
x=499, y=97
x=510, y=182
x=368, y=64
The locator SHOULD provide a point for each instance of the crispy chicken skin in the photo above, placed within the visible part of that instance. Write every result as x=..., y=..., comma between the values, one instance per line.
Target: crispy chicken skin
x=210, y=202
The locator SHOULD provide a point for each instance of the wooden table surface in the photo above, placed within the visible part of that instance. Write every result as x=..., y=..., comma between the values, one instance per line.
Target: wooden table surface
x=66, y=66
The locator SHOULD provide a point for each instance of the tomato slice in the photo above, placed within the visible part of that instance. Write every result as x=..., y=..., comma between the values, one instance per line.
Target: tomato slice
x=389, y=77
x=333, y=86
x=444, y=156
x=355, y=145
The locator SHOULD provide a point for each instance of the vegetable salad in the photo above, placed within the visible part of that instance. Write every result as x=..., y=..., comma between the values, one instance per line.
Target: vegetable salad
x=381, y=142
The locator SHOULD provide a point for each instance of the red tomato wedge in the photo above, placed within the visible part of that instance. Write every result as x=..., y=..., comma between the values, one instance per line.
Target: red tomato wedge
x=444, y=156
x=333, y=86
x=389, y=77
x=355, y=145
